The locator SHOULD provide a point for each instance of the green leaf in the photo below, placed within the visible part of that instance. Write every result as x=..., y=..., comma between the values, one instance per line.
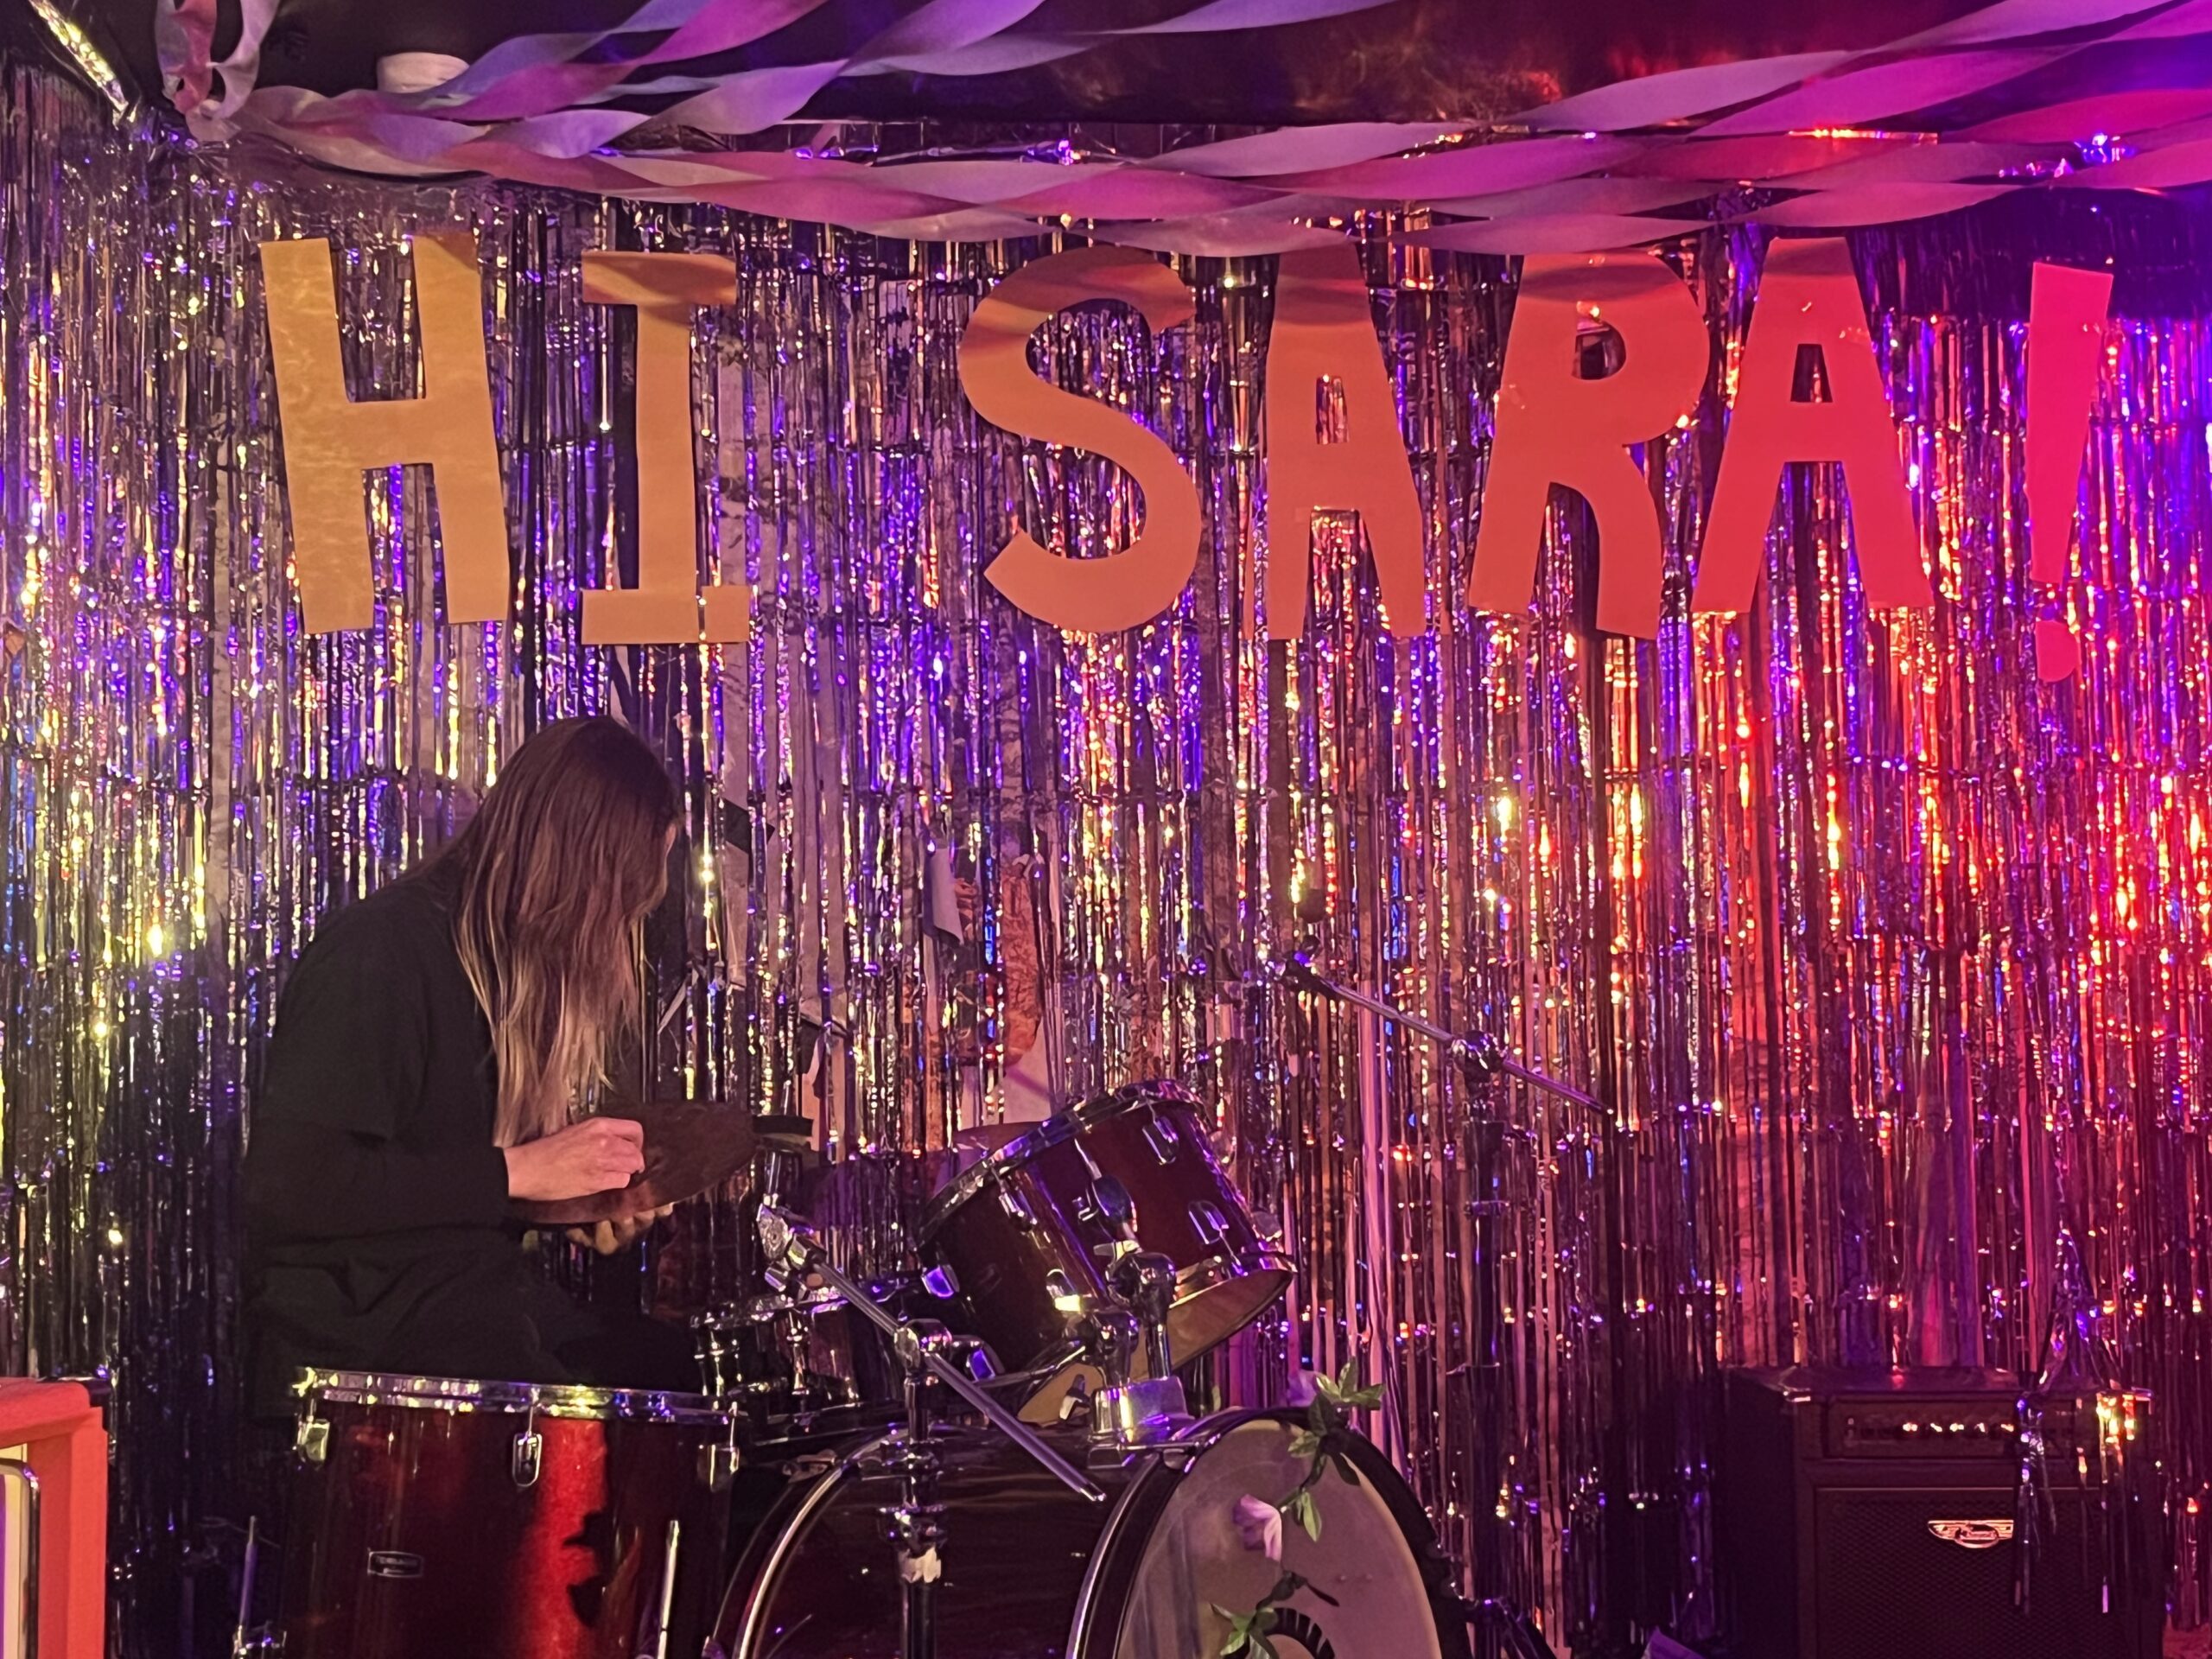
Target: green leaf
x=1305, y=1443
x=1307, y=1514
x=1344, y=1467
x=1347, y=1379
x=1318, y=1417
x=1242, y=1631
x=1365, y=1399
x=1326, y=1388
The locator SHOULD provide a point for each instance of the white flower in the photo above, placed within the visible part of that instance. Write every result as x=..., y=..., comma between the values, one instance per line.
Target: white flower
x=1260, y=1525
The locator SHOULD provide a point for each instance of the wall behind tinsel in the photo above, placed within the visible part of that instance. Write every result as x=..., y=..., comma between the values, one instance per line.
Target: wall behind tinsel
x=1894, y=961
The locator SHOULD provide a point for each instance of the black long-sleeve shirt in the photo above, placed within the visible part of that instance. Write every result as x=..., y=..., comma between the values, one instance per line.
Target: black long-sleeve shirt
x=378, y=1236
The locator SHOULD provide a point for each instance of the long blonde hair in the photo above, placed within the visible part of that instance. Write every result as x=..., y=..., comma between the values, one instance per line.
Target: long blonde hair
x=556, y=874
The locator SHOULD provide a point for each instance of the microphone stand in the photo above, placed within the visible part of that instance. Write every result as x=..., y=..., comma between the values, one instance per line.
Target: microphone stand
x=918, y=1520
x=1480, y=1051
x=1516, y=1632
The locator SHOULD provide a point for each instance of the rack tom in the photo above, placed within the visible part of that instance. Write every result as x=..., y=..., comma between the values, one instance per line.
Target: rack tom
x=1022, y=1231
x=793, y=1355
x=502, y=1519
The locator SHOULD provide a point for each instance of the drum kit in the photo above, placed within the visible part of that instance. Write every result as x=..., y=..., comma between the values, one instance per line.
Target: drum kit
x=991, y=1457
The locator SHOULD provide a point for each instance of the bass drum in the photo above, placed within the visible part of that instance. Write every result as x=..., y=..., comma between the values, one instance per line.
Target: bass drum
x=1031, y=1571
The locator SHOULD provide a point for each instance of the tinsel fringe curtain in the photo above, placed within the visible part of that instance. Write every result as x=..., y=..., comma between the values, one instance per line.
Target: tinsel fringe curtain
x=1893, y=961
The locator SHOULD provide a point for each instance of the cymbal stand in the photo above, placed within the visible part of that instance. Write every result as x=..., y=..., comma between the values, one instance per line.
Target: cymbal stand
x=1128, y=1411
x=1516, y=1632
x=918, y=1520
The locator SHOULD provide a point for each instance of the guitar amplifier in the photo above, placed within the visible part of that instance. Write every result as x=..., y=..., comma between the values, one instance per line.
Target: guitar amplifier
x=1871, y=1515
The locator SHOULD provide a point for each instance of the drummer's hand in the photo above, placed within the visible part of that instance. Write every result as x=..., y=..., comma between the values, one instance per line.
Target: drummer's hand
x=611, y=1235
x=596, y=1156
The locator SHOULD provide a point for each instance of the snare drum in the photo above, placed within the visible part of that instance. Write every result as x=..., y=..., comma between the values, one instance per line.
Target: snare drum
x=801, y=1352
x=502, y=1519
x=1021, y=1230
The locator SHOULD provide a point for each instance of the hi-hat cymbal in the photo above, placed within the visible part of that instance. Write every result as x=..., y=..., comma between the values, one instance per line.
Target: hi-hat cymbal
x=692, y=1147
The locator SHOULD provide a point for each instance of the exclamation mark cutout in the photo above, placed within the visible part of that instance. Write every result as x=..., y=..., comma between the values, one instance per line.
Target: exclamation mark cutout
x=2066, y=334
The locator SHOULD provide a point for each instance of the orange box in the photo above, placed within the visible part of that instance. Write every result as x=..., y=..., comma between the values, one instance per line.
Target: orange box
x=64, y=1431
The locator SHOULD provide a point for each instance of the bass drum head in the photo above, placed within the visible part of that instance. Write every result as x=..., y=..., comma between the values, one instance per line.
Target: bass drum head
x=1192, y=1560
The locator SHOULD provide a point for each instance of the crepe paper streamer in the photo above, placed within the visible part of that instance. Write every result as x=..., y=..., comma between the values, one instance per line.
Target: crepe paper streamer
x=1756, y=158
x=1223, y=236
x=1556, y=233
x=1135, y=193
x=1566, y=196
x=2066, y=343
x=1678, y=94
x=1275, y=156
x=1873, y=204
x=2110, y=114
x=1857, y=96
x=1924, y=163
x=2019, y=20
x=1469, y=169
x=2191, y=17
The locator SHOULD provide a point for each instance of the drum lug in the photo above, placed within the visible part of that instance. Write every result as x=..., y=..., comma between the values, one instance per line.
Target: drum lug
x=1011, y=1201
x=718, y=1466
x=529, y=1456
x=1207, y=1221
x=1159, y=1136
x=1268, y=1225
x=942, y=1282
x=311, y=1440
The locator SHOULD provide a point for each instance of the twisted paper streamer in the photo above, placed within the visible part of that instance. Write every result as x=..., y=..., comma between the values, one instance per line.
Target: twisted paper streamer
x=545, y=110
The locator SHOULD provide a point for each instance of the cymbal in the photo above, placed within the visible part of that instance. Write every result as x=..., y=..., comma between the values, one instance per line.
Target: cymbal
x=692, y=1147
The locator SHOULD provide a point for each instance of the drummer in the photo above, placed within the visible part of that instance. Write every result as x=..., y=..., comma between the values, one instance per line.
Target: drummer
x=432, y=1049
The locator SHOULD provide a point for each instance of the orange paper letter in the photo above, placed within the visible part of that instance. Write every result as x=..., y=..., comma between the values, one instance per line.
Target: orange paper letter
x=1122, y=590
x=663, y=608
x=1809, y=297
x=1554, y=427
x=1324, y=331
x=329, y=440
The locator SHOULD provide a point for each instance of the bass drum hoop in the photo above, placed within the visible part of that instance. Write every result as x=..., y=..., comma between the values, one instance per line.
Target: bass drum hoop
x=1095, y=1623
x=1095, y=1630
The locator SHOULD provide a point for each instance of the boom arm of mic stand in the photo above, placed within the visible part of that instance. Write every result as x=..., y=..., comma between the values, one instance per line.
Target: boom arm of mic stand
x=811, y=1257
x=1482, y=1052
